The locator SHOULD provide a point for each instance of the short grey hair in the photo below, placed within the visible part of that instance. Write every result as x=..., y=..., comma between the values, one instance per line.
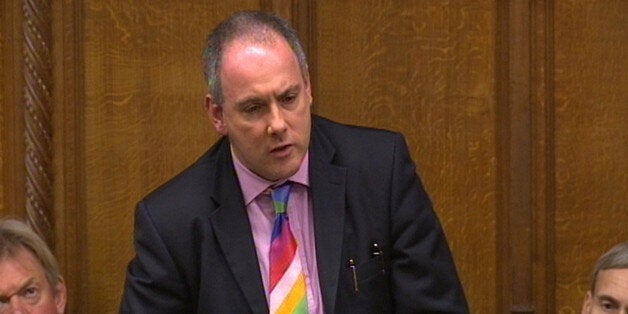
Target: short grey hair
x=615, y=258
x=256, y=26
x=15, y=235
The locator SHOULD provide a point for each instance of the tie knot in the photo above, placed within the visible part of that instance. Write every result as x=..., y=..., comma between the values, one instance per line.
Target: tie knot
x=280, y=197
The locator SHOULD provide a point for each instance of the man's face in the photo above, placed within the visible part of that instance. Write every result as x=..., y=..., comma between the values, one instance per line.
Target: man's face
x=24, y=287
x=266, y=109
x=610, y=295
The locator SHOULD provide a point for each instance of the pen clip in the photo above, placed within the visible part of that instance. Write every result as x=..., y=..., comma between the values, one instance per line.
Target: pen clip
x=352, y=267
x=377, y=251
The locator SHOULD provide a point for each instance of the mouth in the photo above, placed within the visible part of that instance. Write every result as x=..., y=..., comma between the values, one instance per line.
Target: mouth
x=281, y=151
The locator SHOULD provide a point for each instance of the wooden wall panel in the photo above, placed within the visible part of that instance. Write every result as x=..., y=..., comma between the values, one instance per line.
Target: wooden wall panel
x=591, y=92
x=12, y=127
x=525, y=167
x=2, y=106
x=426, y=69
x=143, y=120
x=515, y=113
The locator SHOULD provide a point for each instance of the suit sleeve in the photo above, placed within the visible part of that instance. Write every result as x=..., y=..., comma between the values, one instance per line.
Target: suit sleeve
x=423, y=274
x=152, y=282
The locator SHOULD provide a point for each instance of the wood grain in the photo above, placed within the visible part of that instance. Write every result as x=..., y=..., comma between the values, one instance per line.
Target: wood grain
x=12, y=127
x=143, y=118
x=553, y=169
x=426, y=69
x=38, y=108
x=2, y=107
x=591, y=76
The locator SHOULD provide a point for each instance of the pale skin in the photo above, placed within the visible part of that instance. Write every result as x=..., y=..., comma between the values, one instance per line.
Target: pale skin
x=24, y=287
x=610, y=294
x=266, y=108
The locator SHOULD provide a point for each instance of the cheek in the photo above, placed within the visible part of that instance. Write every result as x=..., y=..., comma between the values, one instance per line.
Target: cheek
x=250, y=138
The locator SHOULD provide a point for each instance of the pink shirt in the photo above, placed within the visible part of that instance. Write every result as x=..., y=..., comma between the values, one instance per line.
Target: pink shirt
x=262, y=217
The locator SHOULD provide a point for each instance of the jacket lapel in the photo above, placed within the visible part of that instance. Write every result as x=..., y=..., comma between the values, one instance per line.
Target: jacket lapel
x=327, y=183
x=233, y=232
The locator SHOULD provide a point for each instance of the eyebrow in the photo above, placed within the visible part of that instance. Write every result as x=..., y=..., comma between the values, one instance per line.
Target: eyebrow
x=21, y=288
x=604, y=297
x=249, y=100
x=291, y=89
x=255, y=99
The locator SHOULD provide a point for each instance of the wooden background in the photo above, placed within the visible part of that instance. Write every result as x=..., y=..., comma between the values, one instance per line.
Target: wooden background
x=516, y=113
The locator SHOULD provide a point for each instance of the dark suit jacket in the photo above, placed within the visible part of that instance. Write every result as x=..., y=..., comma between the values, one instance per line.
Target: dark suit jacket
x=195, y=250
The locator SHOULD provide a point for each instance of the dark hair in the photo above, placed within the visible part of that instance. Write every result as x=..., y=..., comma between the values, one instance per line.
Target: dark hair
x=256, y=26
x=615, y=258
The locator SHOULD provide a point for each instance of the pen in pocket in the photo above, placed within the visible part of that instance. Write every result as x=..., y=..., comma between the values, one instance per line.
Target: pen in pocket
x=376, y=251
x=355, y=275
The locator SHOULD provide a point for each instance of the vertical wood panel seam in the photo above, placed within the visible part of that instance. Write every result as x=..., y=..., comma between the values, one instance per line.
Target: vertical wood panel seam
x=266, y=5
x=13, y=114
x=550, y=155
x=515, y=155
x=70, y=152
x=521, y=245
x=539, y=149
x=311, y=44
x=502, y=133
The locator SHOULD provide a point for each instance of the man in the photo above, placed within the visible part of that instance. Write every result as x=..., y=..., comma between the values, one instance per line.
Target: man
x=609, y=289
x=29, y=275
x=360, y=237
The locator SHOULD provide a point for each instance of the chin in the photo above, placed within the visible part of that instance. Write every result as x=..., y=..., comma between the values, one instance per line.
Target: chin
x=283, y=173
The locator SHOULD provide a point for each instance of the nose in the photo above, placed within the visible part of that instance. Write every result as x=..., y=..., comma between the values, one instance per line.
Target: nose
x=277, y=122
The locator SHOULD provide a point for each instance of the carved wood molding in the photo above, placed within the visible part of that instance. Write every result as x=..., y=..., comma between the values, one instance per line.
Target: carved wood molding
x=37, y=30
x=301, y=15
x=526, y=153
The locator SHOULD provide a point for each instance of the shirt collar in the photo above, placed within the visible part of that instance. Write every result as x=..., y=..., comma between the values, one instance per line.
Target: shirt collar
x=253, y=185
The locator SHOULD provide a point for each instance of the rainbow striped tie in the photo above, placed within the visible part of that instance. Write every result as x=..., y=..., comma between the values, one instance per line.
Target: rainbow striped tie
x=287, y=282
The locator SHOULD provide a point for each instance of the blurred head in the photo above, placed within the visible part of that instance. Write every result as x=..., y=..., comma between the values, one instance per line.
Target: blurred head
x=609, y=288
x=29, y=275
x=259, y=92
x=254, y=26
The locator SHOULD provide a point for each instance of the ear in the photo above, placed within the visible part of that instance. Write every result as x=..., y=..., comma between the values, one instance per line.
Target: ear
x=60, y=296
x=308, y=88
x=215, y=113
x=588, y=301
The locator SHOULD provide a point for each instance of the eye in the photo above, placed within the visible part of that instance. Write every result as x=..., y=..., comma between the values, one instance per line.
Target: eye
x=608, y=306
x=252, y=108
x=288, y=99
x=31, y=294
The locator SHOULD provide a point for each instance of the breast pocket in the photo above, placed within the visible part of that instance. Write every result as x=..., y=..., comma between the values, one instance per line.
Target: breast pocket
x=370, y=287
x=368, y=270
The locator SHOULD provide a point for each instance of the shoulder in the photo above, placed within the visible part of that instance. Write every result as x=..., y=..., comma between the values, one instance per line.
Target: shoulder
x=356, y=140
x=348, y=131
x=189, y=192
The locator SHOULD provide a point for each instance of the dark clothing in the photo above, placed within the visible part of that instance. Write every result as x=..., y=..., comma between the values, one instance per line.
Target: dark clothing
x=195, y=250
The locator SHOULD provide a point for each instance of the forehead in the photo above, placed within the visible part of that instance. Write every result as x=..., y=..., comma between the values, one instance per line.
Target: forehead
x=20, y=254
x=18, y=268
x=249, y=66
x=614, y=280
x=272, y=44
